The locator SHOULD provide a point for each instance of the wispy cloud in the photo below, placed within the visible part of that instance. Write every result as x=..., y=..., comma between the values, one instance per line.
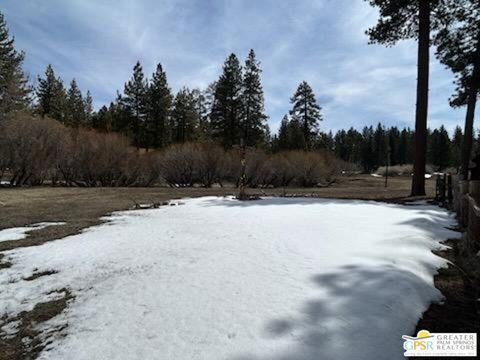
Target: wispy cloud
x=321, y=41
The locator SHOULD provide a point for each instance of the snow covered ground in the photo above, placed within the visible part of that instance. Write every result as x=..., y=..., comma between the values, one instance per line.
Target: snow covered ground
x=215, y=278
x=19, y=233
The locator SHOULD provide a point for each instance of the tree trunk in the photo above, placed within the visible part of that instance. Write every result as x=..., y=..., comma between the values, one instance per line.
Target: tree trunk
x=421, y=112
x=471, y=104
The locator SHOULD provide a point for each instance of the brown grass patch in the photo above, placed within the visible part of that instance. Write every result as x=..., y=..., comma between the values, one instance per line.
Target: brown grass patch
x=80, y=208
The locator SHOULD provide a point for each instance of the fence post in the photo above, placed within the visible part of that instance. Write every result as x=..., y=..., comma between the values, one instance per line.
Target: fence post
x=463, y=202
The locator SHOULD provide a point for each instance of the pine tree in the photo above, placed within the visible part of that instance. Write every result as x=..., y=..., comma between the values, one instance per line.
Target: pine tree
x=253, y=119
x=393, y=135
x=340, y=145
x=369, y=160
x=51, y=96
x=458, y=47
x=329, y=142
x=135, y=102
x=456, y=148
x=354, y=145
x=439, y=148
x=101, y=119
x=14, y=89
x=75, y=106
x=403, y=145
x=408, y=19
x=296, y=135
x=283, y=134
x=202, y=106
x=88, y=106
x=227, y=106
x=380, y=146
x=266, y=140
x=121, y=116
x=184, y=116
x=306, y=112
x=159, y=102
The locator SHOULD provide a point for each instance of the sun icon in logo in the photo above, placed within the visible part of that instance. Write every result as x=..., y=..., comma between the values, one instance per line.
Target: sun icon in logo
x=423, y=334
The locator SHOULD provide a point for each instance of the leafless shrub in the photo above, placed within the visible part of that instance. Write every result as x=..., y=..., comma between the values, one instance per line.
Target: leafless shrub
x=142, y=170
x=35, y=150
x=283, y=172
x=178, y=164
x=212, y=164
x=310, y=168
x=28, y=146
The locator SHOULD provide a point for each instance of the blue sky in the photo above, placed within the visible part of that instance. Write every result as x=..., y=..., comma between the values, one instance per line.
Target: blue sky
x=320, y=41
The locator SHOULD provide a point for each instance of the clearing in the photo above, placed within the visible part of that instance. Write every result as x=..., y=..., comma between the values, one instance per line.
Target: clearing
x=214, y=278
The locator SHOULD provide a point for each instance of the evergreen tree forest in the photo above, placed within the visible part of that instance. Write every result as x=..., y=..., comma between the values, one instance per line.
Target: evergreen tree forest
x=231, y=110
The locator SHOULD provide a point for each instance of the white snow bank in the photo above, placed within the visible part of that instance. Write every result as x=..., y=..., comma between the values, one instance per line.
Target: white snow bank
x=19, y=233
x=301, y=279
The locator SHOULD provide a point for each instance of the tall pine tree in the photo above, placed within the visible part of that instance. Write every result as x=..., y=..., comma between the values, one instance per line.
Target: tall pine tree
x=135, y=102
x=408, y=19
x=51, y=96
x=227, y=105
x=283, y=136
x=159, y=102
x=88, y=106
x=253, y=120
x=306, y=112
x=184, y=116
x=14, y=90
x=75, y=106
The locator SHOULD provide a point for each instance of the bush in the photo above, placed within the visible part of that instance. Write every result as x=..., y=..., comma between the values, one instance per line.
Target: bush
x=179, y=163
x=309, y=168
x=212, y=164
x=35, y=151
x=28, y=148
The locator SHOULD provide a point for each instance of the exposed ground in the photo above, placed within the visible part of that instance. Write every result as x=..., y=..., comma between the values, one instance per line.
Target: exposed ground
x=82, y=207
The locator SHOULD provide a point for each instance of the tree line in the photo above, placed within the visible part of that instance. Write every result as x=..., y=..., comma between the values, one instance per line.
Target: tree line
x=230, y=111
x=373, y=148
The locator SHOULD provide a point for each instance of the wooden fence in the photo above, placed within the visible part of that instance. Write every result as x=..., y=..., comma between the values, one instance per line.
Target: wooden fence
x=465, y=201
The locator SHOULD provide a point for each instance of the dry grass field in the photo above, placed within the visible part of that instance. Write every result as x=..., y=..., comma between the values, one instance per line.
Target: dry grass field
x=83, y=207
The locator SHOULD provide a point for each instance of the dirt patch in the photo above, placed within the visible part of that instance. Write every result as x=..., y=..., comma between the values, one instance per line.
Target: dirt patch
x=26, y=343
x=36, y=275
x=4, y=264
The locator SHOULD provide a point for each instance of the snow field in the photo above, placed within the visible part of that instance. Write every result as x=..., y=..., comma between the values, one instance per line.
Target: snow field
x=220, y=279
